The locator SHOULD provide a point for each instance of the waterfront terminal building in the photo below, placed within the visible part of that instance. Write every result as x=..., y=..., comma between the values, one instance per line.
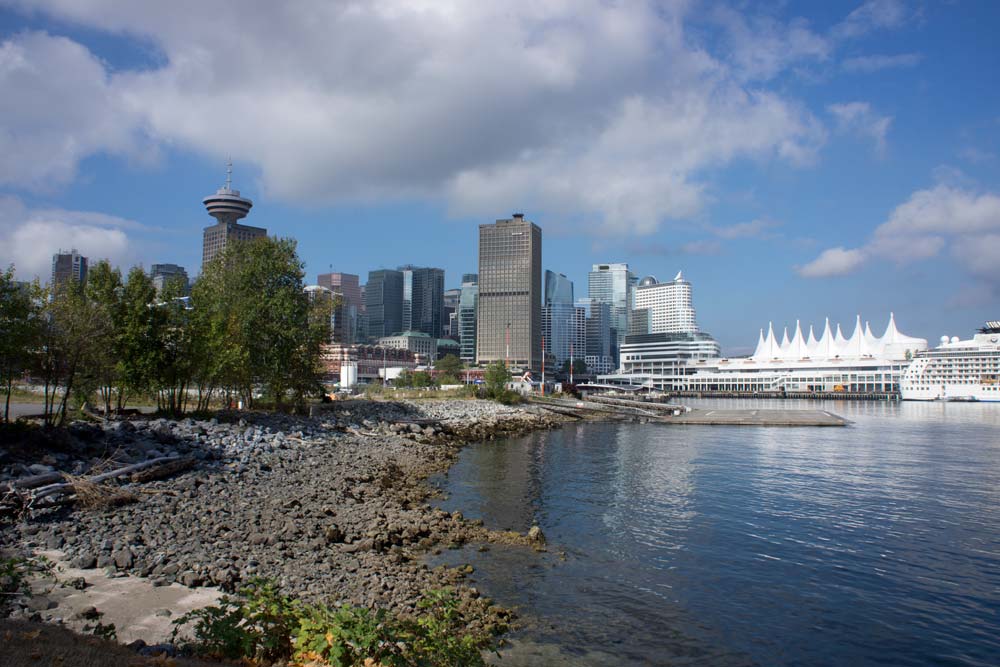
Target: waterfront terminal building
x=680, y=358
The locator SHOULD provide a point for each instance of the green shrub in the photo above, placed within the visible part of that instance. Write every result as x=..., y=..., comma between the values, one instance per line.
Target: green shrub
x=261, y=624
x=14, y=579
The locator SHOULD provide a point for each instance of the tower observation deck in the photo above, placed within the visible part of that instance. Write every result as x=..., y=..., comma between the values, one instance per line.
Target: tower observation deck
x=226, y=205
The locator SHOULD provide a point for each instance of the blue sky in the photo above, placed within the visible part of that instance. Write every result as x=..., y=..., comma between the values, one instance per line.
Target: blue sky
x=798, y=161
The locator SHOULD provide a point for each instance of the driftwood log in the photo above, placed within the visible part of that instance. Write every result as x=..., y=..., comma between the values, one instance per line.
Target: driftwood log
x=19, y=493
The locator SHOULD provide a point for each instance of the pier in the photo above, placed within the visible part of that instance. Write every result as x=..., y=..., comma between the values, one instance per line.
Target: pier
x=665, y=413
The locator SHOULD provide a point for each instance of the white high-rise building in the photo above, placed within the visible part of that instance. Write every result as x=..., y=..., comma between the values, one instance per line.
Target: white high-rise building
x=668, y=306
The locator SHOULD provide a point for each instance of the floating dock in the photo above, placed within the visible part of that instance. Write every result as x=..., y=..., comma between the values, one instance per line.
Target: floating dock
x=660, y=413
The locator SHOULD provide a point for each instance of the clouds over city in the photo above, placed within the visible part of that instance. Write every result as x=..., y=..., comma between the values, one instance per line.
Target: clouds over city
x=32, y=235
x=943, y=219
x=611, y=115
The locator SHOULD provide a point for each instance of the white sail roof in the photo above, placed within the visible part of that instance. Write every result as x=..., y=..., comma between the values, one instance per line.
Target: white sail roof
x=863, y=344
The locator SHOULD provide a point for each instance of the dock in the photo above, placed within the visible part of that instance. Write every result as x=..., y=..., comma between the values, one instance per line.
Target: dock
x=679, y=415
x=758, y=417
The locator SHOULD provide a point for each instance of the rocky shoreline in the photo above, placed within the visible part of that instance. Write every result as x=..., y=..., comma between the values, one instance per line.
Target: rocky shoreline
x=334, y=507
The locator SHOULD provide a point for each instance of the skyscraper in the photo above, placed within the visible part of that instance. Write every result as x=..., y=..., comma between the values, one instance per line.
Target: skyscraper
x=468, y=305
x=423, y=299
x=162, y=274
x=449, y=313
x=668, y=305
x=599, y=359
x=384, y=303
x=346, y=322
x=226, y=206
x=614, y=285
x=68, y=267
x=510, y=293
x=559, y=317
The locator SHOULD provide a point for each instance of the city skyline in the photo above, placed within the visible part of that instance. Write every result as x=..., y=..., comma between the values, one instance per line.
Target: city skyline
x=786, y=147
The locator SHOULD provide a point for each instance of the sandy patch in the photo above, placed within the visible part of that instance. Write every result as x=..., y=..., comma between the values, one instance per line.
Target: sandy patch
x=138, y=609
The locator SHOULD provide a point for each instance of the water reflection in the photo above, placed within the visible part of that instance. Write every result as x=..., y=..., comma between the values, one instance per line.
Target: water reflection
x=879, y=542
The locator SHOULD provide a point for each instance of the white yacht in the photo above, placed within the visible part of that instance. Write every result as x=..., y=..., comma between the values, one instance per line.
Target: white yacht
x=956, y=370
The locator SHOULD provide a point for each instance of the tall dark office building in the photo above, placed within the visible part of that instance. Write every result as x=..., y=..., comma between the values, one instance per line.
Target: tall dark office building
x=510, y=293
x=423, y=299
x=68, y=267
x=226, y=206
x=384, y=303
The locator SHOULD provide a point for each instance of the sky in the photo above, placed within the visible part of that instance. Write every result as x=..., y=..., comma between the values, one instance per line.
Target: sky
x=796, y=160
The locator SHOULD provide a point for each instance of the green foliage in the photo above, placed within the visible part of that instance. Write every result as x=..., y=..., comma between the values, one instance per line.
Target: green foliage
x=579, y=367
x=17, y=318
x=439, y=636
x=263, y=334
x=449, y=369
x=14, y=576
x=106, y=631
x=496, y=378
x=414, y=379
x=346, y=636
x=257, y=624
x=261, y=624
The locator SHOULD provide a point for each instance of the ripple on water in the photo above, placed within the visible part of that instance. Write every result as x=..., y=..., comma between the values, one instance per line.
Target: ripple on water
x=874, y=544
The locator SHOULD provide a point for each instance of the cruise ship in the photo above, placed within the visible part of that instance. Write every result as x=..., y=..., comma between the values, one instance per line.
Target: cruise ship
x=956, y=370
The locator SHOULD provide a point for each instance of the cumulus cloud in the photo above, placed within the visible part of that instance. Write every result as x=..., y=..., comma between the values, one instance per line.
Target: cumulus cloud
x=833, y=262
x=876, y=63
x=31, y=236
x=606, y=114
x=859, y=119
x=963, y=222
x=58, y=106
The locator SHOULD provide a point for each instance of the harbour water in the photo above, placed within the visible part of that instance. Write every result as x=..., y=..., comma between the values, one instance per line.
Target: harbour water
x=878, y=543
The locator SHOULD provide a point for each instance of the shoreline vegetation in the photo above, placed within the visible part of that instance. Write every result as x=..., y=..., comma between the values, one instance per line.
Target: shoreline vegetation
x=330, y=515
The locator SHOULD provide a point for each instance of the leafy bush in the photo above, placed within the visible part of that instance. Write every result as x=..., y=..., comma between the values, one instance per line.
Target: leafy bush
x=261, y=624
x=14, y=575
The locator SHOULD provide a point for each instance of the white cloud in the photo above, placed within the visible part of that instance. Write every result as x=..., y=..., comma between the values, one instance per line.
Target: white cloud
x=833, y=262
x=870, y=16
x=30, y=237
x=930, y=221
x=761, y=47
x=876, y=63
x=59, y=106
x=599, y=112
x=859, y=119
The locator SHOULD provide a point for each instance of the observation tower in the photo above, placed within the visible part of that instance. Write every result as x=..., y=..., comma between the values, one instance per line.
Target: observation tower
x=226, y=206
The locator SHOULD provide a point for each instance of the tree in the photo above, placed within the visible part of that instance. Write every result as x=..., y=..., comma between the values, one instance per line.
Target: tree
x=70, y=327
x=18, y=316
x=261, y=328
x=496, y=378
x=449, y=369
x=579, y=367
x=102, y=368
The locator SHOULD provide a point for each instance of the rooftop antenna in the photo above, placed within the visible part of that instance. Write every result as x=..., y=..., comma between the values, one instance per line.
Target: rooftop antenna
x=229, y=173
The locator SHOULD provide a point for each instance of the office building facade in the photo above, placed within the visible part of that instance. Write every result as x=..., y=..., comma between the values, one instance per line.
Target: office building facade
x=468, y=306
x=68, y=268
x=509, y=322
x=162, y=274
x=667, y=305
x=384, y=303
x=423, y=299
x=559, y=325
x=614, y=285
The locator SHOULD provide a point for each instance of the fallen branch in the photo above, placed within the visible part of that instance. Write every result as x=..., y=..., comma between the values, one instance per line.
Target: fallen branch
x=56, y=489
